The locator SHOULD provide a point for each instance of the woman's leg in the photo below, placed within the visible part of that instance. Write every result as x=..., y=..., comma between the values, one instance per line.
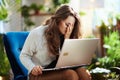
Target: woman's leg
x=70, y=74
x=67, y=74
x=83, y=74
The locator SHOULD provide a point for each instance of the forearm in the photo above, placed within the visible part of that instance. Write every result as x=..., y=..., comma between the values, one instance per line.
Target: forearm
x=27, y=62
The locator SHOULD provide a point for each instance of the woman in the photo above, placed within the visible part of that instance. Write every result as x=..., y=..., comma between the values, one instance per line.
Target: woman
x=44, y=43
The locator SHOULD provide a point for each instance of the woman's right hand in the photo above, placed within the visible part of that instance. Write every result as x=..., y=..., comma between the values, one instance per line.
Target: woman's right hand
x=37, y=70
x=69, y=30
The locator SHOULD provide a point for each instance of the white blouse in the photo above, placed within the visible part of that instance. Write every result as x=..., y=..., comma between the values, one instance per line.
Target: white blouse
x=35, y=51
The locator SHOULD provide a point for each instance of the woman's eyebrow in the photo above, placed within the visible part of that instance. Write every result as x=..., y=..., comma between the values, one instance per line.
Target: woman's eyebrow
x=68, y=23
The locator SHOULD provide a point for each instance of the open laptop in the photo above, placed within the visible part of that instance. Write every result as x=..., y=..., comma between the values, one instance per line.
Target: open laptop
x=76, y=53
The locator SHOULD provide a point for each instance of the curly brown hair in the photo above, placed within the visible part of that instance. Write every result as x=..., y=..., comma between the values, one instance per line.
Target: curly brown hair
x=52, y=32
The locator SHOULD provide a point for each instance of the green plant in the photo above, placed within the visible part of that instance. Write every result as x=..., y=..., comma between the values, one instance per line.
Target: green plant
x=82, y=13
x=3, y=9
x=33, y=9
x=112, y=58
x=103, y=28
x=57, y=3
x=4, y=63
x=28, y=11
x=103, y=74
x=118, y=16
x=112, y=45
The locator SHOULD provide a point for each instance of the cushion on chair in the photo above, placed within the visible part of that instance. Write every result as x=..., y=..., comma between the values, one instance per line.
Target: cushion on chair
x=14, y=42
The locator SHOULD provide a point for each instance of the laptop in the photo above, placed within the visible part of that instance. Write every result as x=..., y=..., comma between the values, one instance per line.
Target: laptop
x=76, y=53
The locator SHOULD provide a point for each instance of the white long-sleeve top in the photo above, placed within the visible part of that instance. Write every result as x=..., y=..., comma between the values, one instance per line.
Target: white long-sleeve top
x=35, y=51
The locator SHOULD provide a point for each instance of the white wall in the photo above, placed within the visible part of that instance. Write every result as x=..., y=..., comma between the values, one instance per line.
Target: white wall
x=28, y=2
x=14, y=18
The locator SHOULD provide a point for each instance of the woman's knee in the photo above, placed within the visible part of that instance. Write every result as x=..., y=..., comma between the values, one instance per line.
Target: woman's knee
x=70, y=75
x=84, y=74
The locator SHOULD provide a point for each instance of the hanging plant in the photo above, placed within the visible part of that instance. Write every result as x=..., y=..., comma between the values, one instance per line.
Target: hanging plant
x=3, y=9
x=4, y=63
x=32, y=10
x=57, y=3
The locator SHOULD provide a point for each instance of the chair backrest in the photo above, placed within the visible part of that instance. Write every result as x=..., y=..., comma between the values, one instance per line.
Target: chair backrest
x=13, y=42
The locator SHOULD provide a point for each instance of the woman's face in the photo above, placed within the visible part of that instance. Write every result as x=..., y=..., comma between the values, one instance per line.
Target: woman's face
x=67, y=25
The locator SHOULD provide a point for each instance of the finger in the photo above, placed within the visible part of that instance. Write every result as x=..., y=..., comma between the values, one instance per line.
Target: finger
x=69, y=30
x=34, y=72
x=39, y=69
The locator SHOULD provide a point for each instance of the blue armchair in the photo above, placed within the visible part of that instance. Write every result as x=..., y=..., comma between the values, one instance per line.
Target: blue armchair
x=13, y=42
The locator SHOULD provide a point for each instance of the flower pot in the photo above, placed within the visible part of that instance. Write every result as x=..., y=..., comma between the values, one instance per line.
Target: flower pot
x=98, y=76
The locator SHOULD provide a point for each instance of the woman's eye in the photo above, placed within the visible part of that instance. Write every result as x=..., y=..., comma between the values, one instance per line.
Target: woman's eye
x=67, y=25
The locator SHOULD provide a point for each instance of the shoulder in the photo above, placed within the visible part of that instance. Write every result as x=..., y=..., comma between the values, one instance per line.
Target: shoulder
x=38, y=30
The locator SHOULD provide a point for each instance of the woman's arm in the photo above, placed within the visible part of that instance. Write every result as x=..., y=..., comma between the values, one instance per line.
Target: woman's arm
x=28, y=50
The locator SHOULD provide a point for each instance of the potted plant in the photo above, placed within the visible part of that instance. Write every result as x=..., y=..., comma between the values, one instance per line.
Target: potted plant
x=112, y=45
x=32, y=10
x=110, y=60
x=57, y=3
x=4, y=63
x=3, y=10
